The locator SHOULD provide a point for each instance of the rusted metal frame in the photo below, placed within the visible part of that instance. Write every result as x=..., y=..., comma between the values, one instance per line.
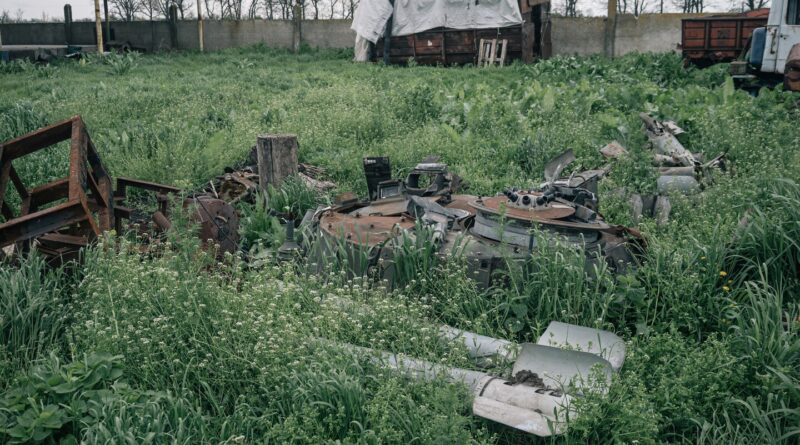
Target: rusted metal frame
x=44, y=194
x=64, y=239
x=5, y=176
x=44, y=221
x=124, y=183
x=77, y=161
x=162, y=191
x=706, y=36
x=18, y=184
x=120, y=213
x=5, y=210
x=100, y=184
x=37, y=140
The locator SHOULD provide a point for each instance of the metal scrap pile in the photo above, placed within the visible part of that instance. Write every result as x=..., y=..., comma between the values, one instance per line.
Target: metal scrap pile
x=679, y=170
x=62, y=216
x=488, y=230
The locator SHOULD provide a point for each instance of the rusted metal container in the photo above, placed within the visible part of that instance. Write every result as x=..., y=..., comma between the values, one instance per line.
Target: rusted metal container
x=709, y=40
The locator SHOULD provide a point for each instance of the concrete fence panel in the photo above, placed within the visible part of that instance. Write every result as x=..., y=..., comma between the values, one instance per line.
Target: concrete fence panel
x=570, y=36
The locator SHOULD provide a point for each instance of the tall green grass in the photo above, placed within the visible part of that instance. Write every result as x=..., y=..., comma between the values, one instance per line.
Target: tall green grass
x=218, y=350
x=34, y=314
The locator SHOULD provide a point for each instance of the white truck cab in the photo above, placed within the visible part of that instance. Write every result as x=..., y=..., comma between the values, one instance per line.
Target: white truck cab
x=774, y=51
x=782, y=33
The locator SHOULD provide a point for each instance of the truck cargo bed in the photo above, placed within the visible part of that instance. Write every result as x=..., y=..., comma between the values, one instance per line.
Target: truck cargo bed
x=709, y=40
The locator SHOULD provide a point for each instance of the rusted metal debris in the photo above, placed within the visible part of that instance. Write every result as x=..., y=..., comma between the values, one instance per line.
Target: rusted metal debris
x=217, y=220
x=791, y=80
x=679, y=170
x=488, y=231
x=62, y=216
x=613, y=150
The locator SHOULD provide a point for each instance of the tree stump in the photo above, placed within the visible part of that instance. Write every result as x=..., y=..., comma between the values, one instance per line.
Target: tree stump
x=277, y=159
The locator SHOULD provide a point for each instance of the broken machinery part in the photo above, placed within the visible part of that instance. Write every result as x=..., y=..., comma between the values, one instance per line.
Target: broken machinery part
x=488, y=231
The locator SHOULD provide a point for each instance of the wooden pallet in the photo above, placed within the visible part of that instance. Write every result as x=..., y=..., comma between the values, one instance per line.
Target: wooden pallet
x=492, y=51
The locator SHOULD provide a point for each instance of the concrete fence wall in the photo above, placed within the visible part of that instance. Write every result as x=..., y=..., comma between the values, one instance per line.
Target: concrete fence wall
x=581, y=36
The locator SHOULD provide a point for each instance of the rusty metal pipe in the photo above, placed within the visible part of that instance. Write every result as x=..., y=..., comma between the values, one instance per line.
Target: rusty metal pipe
x=161, y=221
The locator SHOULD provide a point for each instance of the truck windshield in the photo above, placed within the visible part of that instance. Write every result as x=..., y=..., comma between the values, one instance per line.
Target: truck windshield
x=793, y=13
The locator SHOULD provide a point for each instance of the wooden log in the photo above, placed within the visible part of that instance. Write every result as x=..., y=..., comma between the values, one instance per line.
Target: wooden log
x=277, y=159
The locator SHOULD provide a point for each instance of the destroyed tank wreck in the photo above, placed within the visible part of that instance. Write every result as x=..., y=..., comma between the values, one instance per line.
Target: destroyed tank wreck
x=488, y=231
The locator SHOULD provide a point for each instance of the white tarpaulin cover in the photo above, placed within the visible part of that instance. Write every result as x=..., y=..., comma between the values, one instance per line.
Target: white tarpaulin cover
x=413, y=16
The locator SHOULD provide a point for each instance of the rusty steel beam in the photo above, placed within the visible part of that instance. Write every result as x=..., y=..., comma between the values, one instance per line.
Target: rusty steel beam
x=37, y=140
x=77, y=161
x=18, y=185
x=44, y=221
x=45, y=194
x=124, y=183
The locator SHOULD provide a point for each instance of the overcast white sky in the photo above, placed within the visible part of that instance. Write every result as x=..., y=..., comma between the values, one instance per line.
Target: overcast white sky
x=85, y=8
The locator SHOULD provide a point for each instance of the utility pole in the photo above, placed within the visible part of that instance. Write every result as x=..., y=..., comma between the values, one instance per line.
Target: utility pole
x=200, y=25
x=611, y=28
x=98, y=26
x=108, y=23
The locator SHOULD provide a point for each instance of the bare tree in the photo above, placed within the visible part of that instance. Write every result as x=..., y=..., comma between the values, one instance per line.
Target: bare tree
x=351, y=10
x=315, y=7
x=184, y=8
x=571, y=8
x=690, y=6
x=150, y=9
x=5, y=16
x=231, y=9
x=19, y=15
x=333, y=4
x=635, y=7
x=752, y=5
x=252, y=11
x=125, y=9
x=210, y=9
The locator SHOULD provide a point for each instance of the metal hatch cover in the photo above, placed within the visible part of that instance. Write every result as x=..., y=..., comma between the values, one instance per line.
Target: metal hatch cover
x=551, y=211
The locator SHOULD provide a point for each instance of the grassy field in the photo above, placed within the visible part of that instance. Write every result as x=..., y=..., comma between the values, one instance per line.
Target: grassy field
x=183, y=348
